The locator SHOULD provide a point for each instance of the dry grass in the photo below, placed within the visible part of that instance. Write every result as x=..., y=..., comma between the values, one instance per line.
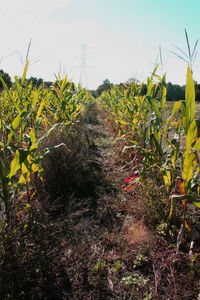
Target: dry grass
x=135, y=232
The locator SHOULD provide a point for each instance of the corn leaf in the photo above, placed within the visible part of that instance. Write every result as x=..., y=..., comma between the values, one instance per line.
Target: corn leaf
x=171, y=207
x=40, y=108
x=154, y=106
x=9, y=95
x=191, y=135
x=189, y=98
x=15, y=165
x=167, y=178
x=197, y=204
x=14, y=125
x=164, y=92
x=188, y=166
x=25, y=71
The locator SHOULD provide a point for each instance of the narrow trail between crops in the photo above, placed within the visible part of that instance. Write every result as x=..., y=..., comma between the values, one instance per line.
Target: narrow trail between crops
x=104, y=245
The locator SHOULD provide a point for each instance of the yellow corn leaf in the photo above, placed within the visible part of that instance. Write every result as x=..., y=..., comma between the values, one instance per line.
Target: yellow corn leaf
x=24, y=168
x=35, y=98
x=187, y=225
x=35, y=168
x=15, y=164
x=197, y=144
x=188, y=166
x=24, y=178
x=39, y=109
x=190, y=97
x=9, y=95
x=167, y=178
x=123, y=122
x=14, y=125
x=198, y=190
x=174, y=159
x=25, y=71
x=197, y=204
x=25, y=174
x=171, y=208
x=176, y=107
x=191, y=135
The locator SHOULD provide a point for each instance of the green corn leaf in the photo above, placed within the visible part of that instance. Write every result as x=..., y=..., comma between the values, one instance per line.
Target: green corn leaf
x=154, y=106
x=168, y=141
x=47, y=133
x=20, y=157
x=50, y=149
x=18, y=88
x=23, y=154
x=164, y=92
x=154, y=72
x=2, y=171
x=158, y=147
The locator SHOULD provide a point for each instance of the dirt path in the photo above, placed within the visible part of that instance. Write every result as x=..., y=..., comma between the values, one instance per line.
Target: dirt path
x=102, y=253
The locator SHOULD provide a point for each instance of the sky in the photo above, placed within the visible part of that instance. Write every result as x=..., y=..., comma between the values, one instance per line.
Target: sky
x=121, y=39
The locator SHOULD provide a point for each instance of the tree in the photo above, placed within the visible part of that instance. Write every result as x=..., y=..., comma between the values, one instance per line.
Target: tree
x=35, y=81
x=6, y=77
x=197, y=91
x=175, y=92
x=104, y=87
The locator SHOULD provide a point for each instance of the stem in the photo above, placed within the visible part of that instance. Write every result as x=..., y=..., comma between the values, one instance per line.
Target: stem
x=5, y=191
x=180, y=237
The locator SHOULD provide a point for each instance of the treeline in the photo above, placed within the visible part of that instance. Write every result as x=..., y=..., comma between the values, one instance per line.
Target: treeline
x=175, y=92
x=37, y=82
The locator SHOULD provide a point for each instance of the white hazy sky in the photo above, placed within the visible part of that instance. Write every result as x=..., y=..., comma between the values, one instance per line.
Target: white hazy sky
x=122, y=38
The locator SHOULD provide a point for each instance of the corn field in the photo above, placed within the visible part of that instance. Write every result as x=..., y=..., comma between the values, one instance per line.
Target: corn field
x=168, y=141
x=163, y=139
x=27, y=117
